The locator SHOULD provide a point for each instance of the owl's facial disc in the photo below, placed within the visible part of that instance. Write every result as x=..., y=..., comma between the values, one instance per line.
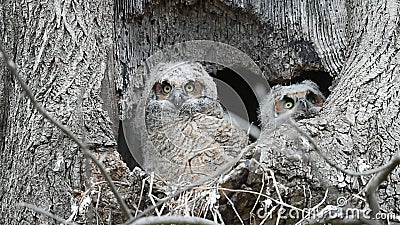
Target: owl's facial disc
x=179, y=92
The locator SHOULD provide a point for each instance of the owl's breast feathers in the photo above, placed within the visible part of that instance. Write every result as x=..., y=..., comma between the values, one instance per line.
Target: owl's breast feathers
x=204, y=139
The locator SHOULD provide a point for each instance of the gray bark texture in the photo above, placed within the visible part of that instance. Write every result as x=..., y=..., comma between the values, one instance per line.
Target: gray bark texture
x=76, y=56
x=64, y=51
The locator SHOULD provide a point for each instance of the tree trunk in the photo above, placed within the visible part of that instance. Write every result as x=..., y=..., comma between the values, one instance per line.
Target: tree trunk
x=64, y=51
x=363, y=109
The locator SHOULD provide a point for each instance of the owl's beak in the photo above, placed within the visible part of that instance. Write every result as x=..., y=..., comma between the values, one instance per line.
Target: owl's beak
x=303, y=105
x=178, y=98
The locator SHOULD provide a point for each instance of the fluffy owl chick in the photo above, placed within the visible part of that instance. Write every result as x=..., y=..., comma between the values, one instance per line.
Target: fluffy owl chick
x=187, y=126
x=300, y=101
x=306, y=96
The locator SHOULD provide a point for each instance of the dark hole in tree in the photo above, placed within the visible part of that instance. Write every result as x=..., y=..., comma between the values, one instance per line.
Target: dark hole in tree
x=243, y=90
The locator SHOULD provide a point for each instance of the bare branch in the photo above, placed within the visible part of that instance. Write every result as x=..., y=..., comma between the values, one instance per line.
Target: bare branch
x=154, y=220
x=376, y=181
x=233, y=207
x=338, y=221
x=331, y=163
x=13, y=68
x=263, y=195
x=221, y=170
x=46, y=213
x=381, y=174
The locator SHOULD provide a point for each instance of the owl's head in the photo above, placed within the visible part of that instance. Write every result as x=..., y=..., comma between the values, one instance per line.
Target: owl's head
x=184, y=86
x=301, y=100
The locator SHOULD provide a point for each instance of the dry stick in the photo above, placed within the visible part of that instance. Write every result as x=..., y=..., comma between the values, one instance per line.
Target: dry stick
x=258, y=196
x=140, y=197
x=151, y=194
x=233, y=207
x=381, y=172
x=45, y=212
x=313, y=208
x=217, y=173
x=13, y=68
x=376, y=181
x=263, y=195
x=318, y=150
x=154, y=220
x=88, y=166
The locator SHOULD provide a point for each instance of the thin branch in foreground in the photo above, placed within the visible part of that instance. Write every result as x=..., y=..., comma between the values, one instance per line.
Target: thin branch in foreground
x=339, y=221
x=263, y=195
x=46, y=213
x=233, y=208
x=381, y=173
x=258, y=196
x=221, y=170
x=13, y=69
x=154, y=220
x=327, y=160
x=375, y=181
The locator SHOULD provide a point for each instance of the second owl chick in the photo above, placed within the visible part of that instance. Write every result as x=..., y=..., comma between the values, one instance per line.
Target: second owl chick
x=300, y=101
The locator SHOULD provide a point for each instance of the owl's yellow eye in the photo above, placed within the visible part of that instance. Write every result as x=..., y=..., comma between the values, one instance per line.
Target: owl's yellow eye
x=288, y=105
x=167, y=88
x=189, y=87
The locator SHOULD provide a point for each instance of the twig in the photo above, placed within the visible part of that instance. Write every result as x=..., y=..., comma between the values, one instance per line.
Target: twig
x=381, y=174
x=46, y=213
x=221, y=170
x=331, y=163
x=98, y=198
x=339, y=221
x=263, y=195
x=269, y=215
x=140, y=197
x=376, y=181
x=233, y=207
x=252, y=130
x=258, y=196
x=322, y=201
x=314, y=208
x=278, y=192
x=338, y=216
x=154, y=220
x=151, y=194
x=13, y=68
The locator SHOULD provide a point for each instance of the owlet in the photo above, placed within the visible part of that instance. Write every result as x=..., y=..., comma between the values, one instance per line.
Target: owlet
x=187, y=126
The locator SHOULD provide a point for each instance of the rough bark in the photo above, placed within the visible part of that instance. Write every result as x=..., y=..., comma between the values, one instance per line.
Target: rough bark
x=363, y=110
x=282, y=37
x=62, y=50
